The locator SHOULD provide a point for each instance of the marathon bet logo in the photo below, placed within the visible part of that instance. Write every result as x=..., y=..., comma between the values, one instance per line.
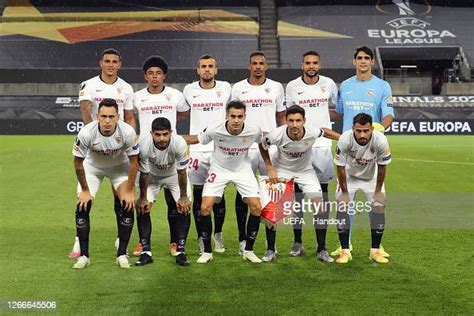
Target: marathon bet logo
x=410, y=30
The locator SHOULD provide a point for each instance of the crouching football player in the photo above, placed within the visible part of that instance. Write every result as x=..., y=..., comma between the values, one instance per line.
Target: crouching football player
x=361, y=157
x=163, y=163
x=105, y=148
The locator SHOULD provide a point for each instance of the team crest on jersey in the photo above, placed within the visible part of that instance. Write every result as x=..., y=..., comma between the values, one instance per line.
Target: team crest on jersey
x=372, y=150
x=118, y=139
x=219, y=94
x=323, y=89
x=168, y=97
x=370, y=92
x=267, y=90
x=119, y=90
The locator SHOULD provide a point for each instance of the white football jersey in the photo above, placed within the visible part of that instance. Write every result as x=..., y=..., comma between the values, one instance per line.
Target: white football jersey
x=106, y=151
x=262, y=101
x=164, y=104
x=361, y=161
x=230, y=151
x=207, y=108
x=163, y=163
x=315, y=100
x=292, y=156
x=95, y=90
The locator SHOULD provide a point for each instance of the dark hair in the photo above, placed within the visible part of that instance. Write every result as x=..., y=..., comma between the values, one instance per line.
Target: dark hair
x=364, y=49
x=362, y=119
x=107, y=102
x=155, y=61
x=160, y=124
x=235, y=105
x=295, y=109
x=311, y=53
x=206, y=56
x=257, y=53
x=111, y=51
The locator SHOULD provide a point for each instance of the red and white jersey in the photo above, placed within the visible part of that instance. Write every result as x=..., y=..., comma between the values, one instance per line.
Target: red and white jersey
x=163, y=163
x=207, y=108
x=361, y=161
x=315, y=100
x=230, y=151
x=262, y=101
x=164, y=104
x=106, y=151
x=95, y=90
x=292, y=156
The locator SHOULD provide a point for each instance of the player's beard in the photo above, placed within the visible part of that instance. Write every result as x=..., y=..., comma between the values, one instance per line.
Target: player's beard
x=207, y=79
x=311, y=74
x=362, y=141
x=162, y=145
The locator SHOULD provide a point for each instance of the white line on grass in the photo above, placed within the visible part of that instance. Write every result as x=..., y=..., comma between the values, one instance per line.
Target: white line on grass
x=436, y=161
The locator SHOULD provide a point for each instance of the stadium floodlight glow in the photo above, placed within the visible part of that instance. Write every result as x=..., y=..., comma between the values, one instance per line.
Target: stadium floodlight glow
x=408, y=66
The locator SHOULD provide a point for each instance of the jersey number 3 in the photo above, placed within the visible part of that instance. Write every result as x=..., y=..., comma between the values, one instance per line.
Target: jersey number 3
x=211, y=177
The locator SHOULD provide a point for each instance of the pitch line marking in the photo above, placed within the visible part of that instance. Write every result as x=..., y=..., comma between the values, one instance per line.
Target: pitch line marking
x=436, y=161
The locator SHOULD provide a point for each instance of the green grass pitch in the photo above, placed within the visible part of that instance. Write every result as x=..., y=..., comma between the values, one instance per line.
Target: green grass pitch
x=430, y=232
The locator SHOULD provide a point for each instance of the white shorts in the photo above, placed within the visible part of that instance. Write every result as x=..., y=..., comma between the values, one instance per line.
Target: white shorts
x=243, y=178
x=257, y=161
x=323, y=163
x=94, y=176
x=355, y=184
x=171, y=183
x=198, y=167
x=307, y=181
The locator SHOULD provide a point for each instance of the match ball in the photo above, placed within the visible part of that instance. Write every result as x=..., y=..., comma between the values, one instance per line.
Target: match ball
x=378, y=127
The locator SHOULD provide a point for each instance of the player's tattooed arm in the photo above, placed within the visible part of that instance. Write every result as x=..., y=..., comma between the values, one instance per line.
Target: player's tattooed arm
x=143, y=206
x=129, y=118
x=387, y=121
x=272, y=175
x=183, y=203
x=127, y=195
x=86, y=111
x=191, y=139
x=84, y=197
x=329, y=133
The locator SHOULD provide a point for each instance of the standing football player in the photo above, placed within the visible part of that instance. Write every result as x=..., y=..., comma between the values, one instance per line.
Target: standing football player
x=293, y=160
x=315, y=94
x=264, y=99
x=158, y=100
x=207, y=99
x=229, y=163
